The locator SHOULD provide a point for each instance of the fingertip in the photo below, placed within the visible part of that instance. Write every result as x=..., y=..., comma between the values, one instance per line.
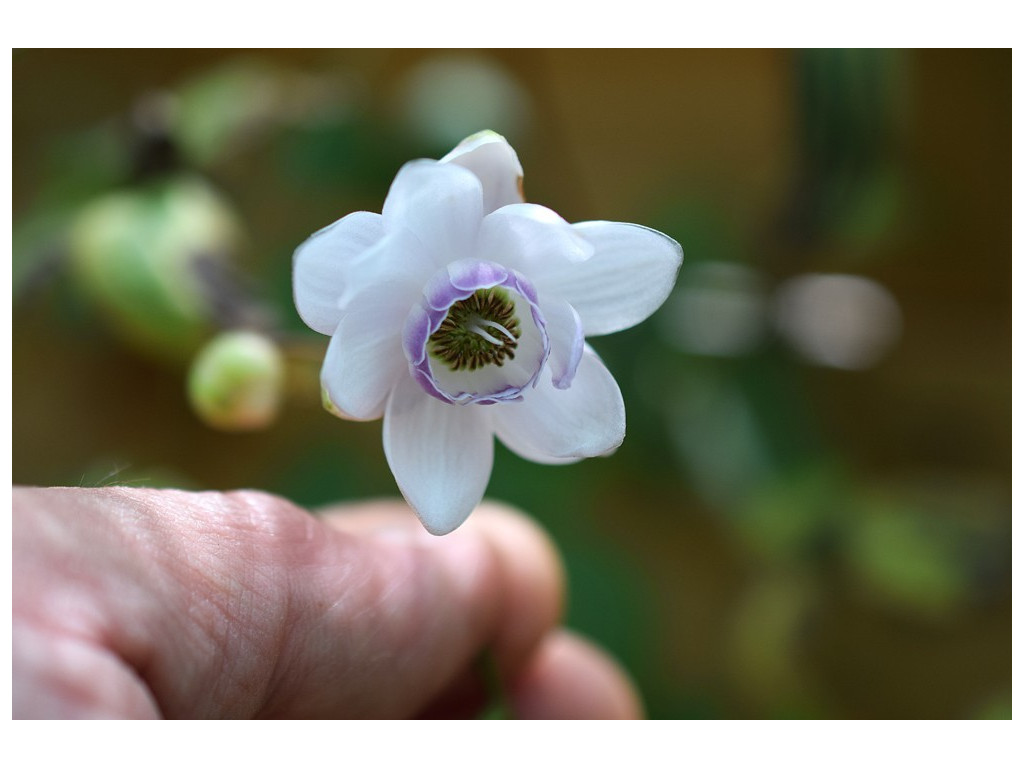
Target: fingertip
x=533, y=577
x=517, y=587
x=569, y=678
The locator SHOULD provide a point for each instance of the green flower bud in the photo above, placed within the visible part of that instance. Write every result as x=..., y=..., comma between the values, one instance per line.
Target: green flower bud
x=236, y=381
x=139, y=255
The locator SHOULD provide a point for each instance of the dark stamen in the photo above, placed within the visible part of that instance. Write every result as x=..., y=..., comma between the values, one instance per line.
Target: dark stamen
x=479, y=330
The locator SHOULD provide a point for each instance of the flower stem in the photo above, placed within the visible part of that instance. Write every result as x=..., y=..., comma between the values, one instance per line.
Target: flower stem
x=497, y=706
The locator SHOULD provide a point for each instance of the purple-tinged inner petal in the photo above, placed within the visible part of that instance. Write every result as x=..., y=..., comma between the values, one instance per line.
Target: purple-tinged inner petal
x=416, y=332
x=479, y=335
x=469, y=274
x=566, y=334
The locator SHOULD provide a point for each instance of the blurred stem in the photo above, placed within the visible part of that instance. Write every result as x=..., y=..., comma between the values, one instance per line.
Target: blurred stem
x=303, y=359
x=497, y=706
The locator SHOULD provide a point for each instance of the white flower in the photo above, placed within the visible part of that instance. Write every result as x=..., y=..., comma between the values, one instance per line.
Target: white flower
x=459, y=313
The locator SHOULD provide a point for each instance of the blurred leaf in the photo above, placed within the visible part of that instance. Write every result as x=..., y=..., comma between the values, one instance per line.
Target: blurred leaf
x=78, y=166
x=38, y=248
x=609, y=601
x=346, y=466
x=998, y=707
x=716, y=436
x=872, y=212
x=796, y=517
x=226, y=108
x=849, y=112
x=907, y=558
x=345, y=152
x=765, y=648
x=704, y=232
x=137, y=255
x=85, y=163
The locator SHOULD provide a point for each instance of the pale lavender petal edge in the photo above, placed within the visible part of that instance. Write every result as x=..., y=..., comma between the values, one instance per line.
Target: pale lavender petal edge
x=439, y=295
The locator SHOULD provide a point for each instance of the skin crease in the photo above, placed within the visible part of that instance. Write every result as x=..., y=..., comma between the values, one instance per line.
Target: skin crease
x=137, y=603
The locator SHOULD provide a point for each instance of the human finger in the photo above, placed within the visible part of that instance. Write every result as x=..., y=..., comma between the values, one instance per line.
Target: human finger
x=241, y=604
x=518, y=599
x=570, y=678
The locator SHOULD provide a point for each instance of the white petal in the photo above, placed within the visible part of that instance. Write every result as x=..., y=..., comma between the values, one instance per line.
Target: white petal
x=365, y=357
x=630, y=274
x=565, y=332
x=441, y=455
x=491, y=158
x=441, y=204
x=553, y=425
x=326, y=263
x=527, y=451
x=532, y=239
x=396, y=268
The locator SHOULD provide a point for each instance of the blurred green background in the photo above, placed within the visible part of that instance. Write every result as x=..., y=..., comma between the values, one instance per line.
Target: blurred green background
x=810, y=516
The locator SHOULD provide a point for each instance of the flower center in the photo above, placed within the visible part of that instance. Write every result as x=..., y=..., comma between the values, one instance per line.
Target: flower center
x=479, y=330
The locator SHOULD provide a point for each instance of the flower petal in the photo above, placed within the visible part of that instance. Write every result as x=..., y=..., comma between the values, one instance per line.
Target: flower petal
x=441, y=204
x=565, y=332
x=364, y=358
x=441, y=455
x=492, y=160
x=324, y=265
x=630, y=274
x=552, y=425
x=531, y=238
x=471, y=274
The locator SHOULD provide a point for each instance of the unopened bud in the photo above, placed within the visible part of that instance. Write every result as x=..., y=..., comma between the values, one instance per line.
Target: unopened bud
x=236, y=381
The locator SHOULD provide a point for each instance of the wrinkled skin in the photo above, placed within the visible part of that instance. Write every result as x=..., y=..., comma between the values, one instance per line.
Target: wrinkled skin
x=135, y=603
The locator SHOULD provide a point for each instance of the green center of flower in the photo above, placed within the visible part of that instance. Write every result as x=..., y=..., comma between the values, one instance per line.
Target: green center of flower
x=479, y=330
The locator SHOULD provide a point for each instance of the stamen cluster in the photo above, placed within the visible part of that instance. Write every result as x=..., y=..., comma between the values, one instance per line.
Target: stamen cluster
x=479, y=330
